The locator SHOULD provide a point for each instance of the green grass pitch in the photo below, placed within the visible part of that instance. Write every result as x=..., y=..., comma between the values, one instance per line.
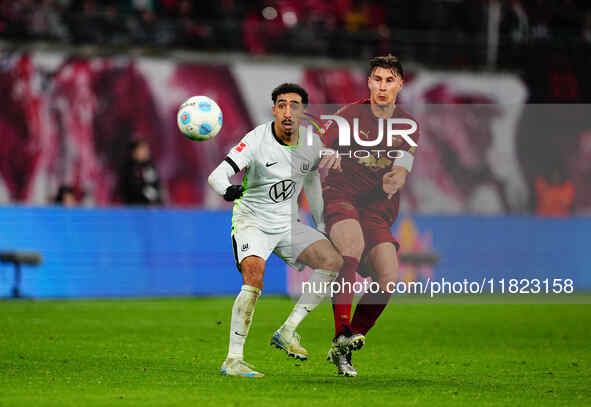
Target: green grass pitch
x=167, y=352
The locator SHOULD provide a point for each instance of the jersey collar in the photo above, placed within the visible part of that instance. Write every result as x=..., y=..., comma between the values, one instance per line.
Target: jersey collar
x=281, y=141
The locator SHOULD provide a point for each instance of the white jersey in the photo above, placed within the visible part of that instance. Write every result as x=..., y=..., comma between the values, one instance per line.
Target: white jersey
x=274, y=177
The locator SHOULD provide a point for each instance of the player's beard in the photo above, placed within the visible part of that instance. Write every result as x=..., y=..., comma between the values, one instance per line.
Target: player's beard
x=288, y=131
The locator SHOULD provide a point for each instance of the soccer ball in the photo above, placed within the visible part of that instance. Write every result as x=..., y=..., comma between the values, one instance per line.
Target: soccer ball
x=199, y=118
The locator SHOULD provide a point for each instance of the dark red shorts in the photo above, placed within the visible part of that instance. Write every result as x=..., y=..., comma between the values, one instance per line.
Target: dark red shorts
x=376, y=223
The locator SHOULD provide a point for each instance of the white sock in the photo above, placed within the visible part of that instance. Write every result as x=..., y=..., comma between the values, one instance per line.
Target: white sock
x=242, y=313
x=309, y=300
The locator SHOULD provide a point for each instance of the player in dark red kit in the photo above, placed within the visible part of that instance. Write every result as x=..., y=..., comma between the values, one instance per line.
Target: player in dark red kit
x=362, y=201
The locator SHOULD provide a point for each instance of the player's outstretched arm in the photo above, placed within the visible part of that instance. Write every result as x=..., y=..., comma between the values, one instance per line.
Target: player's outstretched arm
x=219, y=180
x=313, y=190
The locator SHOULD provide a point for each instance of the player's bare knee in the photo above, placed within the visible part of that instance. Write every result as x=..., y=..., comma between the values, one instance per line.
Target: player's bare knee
x=332, y=261
x=253, y=278
x=335, y=262
x=253, y=269
x=352, y=245
x=353, y=248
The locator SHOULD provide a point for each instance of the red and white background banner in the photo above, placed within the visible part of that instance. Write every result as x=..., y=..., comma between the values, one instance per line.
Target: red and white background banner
x=67, y=120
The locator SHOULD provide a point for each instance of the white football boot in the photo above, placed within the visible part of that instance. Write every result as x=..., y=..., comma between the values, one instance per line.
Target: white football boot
x=238, y=367
x=292, y=347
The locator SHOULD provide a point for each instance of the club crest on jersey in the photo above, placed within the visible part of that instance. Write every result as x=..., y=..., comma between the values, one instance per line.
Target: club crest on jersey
x=397, y=141
x=305, y=166
x=282, y=190
x=244, y=247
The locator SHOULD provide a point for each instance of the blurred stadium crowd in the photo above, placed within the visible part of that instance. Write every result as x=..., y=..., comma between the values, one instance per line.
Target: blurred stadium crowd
x=77, y=125
x=454, y=33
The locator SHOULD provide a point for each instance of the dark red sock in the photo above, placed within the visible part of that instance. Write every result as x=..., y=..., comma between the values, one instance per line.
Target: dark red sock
x=368, y=310
x=341, y=302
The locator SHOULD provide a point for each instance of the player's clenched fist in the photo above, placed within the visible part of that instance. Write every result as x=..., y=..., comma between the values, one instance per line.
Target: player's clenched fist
x=233, y=192
x=394, y=180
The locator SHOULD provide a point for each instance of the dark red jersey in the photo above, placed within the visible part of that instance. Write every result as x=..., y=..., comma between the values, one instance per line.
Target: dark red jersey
x=363, y=166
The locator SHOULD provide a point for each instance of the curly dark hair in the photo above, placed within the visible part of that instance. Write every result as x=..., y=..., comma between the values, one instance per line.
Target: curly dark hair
x=289, y=88
x=388, y=62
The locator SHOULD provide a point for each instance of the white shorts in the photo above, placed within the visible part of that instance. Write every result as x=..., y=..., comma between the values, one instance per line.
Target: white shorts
x=251, y=241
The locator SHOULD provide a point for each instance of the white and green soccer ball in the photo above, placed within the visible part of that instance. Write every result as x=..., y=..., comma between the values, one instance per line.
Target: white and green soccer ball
x=199, y=118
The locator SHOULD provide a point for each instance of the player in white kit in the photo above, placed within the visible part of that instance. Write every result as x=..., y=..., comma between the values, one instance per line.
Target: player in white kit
x=279, y=162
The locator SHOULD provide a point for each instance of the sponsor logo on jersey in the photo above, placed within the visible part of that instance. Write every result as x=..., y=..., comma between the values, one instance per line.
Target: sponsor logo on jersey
x=375, y=164
x=282, y=190
x=268, y=164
